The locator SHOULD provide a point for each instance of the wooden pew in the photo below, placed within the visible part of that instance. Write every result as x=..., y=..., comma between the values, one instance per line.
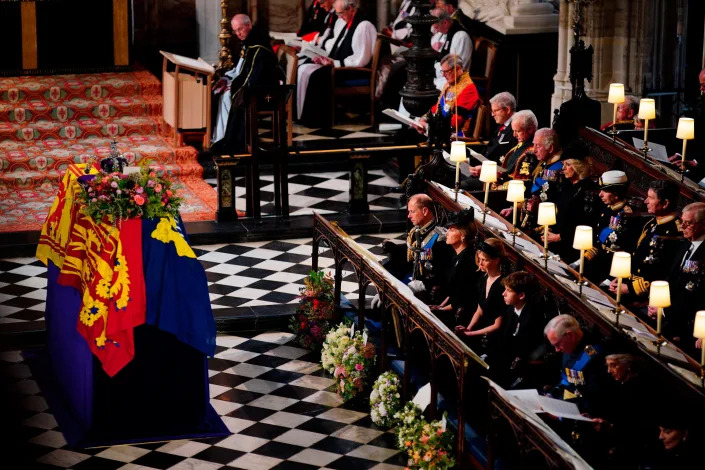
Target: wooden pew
x=414, y=316
x=442, y=345
x=683, y=373
x=536, y=437
x=620, y=155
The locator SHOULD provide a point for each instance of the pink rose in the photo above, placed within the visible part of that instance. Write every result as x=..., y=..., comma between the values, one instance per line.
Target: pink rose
x=359, y=367
x=139, y=200
x=158, y=188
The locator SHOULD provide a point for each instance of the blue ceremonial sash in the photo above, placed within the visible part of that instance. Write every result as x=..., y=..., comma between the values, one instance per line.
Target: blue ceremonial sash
x=539, y=181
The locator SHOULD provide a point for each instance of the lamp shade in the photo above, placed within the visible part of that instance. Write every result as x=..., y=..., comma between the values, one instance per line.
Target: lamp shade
x=621, y=264
x=547, y=214
x=515, y=191
x=659, y=294
x=616, y=93
x=583, y=237
x=699, y=327
x=647, y=108
x=488, y=173
x=457, y=151
x=686, y=128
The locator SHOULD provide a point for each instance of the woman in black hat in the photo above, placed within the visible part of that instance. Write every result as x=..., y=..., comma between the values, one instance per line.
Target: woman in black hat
x=460, y=297
x=575, y=202
x=487, y=319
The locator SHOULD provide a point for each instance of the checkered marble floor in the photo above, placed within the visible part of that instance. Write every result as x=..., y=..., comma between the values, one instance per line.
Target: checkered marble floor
x=274, y=397
x=342, y=131
x=240, y=275
x=326, y=192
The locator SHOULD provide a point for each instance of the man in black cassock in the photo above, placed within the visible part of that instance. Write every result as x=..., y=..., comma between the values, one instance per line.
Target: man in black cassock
x=257, y=67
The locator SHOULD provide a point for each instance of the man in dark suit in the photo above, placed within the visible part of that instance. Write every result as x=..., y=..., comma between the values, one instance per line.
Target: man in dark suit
x=522, y=330
x=687, y=279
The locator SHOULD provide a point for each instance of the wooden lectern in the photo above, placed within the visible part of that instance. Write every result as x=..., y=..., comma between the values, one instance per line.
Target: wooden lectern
x=186, y=89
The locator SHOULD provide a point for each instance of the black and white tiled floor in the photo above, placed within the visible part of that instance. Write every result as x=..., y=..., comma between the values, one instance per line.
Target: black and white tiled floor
x=326, y=193
x=240, y=276
x=342, y=132
x=274, y=397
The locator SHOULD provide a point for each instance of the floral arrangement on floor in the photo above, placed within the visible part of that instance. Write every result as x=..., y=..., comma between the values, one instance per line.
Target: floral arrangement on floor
x=112, y=197
x=335, y=343
x=428, y=445
x=311, y=321
x=385, y=399
x=354, y=369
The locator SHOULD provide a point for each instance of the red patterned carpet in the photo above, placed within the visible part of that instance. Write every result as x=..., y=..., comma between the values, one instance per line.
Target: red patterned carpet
x=51, y=121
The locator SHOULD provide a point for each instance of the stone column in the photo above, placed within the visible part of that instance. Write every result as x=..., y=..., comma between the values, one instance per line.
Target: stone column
x=208, y=16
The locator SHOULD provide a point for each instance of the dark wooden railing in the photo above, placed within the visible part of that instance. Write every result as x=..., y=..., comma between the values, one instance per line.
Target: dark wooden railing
x=414, y=316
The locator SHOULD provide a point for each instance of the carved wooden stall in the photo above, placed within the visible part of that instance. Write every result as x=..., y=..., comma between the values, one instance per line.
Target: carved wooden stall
x=414, y=316
x=569, y=299
x=620, y=155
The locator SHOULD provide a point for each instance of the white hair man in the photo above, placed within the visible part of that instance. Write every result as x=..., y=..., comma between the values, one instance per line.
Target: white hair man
x=582, y=369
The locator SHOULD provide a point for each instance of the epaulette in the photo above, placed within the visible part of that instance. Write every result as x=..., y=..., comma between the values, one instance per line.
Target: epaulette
x=679, y=225
x=627, y=210
x=590, y=350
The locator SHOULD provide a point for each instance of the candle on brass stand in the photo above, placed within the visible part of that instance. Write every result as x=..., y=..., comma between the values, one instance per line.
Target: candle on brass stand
x=515, y=194
x=685, y=131
x=659, y=297
x=457, y=155
x=621, y=268
x=488, y=175
x=647, y=110
x=616, y=96
x=582, y=241
x=699, y=332
x=546, y=217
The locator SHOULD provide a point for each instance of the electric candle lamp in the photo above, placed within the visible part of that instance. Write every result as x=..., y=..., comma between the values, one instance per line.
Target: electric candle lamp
x=660, y=297
x=582, y=241
x=699, y=332
x=686, y=132
x=457, y=155
x=515, y=194
x=621, y=268
x=546, y=217
x=647, y=110
x=488, y=174
x=616, y=96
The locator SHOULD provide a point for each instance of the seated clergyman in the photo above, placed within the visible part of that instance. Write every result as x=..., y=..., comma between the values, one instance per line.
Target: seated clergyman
x=257, y=67
x=350, y=45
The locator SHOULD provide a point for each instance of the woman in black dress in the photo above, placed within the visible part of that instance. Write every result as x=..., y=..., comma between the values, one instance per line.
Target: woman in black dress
x=461, y=232
x=487, y=319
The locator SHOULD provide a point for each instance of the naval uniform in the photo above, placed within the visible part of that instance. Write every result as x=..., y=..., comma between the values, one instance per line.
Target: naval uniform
x=654, y=252
x=545, y=181
x=518, y=163
x=617, y=230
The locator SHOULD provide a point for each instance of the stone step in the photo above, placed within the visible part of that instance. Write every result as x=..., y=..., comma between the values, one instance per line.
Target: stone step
x=39, y=109
x=14, y=90
x=75, y=130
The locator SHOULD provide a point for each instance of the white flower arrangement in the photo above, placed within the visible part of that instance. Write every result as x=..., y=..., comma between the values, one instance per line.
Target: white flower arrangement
x=385, y=400
x=334, y=346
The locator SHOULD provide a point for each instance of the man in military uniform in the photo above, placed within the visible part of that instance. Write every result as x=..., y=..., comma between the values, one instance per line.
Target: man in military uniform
x=626, y=112
x=616, y=228
x=520, y=161
x=687, y=279
x=424, y=261
x=547, y=172
x=656, y=245
x=582, y=364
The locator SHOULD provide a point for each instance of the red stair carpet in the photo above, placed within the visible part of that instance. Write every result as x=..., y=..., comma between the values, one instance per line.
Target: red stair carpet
x=48, y=122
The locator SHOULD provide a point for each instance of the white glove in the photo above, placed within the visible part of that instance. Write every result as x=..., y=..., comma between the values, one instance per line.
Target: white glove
x=417, y=287
x=376, y=302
